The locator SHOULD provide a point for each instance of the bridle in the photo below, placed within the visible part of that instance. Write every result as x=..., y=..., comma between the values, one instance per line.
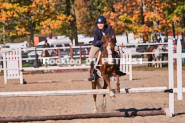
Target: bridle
x=105, y=55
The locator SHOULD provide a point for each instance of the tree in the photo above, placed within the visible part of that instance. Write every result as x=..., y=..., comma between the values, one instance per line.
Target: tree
x=31, y=16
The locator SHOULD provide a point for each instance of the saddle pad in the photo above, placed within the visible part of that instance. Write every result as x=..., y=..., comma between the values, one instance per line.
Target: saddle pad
x=95, y=66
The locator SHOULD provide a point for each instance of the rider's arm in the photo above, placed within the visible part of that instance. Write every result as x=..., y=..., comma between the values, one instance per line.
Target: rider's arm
x=96, y=42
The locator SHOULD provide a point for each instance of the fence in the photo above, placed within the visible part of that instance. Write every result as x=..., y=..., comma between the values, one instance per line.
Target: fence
x=169, y=111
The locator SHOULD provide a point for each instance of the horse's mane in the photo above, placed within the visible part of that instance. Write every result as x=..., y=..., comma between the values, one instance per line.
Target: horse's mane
x=107, y=37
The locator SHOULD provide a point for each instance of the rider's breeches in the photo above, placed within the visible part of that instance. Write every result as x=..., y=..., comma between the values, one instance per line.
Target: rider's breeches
x=96, y=49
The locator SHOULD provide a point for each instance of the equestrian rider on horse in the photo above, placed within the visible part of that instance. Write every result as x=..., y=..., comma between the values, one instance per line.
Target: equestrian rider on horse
x=98, y=32
x=157, y=40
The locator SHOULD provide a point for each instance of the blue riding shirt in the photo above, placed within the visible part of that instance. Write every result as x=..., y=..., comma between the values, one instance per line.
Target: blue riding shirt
x=97, y=34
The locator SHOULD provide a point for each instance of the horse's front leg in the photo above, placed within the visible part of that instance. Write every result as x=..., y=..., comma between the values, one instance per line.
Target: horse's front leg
x=157, y=63
x=104, y=95
x=117, y=89
x=160, y=62
x=107, y=79
x=94, y=96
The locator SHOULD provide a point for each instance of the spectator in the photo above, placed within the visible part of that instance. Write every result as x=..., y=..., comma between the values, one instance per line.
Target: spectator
x=158, y=39
x=155, y=41
x=46, y=43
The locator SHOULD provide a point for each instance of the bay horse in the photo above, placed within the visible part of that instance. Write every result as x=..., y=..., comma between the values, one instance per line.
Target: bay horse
x=150, y=57
x=45, y=53
x=107, y=69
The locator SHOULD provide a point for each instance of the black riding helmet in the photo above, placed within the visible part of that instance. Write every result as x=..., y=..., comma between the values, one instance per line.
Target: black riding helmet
x=100, y=19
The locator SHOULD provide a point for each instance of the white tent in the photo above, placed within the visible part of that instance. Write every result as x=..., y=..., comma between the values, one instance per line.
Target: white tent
x=24, y=44
x=55, y=42
x=85, y=40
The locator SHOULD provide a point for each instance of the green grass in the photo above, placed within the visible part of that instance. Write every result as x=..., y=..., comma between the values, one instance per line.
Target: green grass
x=27, y=65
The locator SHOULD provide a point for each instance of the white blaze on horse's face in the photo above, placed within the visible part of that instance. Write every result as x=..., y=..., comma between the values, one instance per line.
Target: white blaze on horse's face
x=110, y=60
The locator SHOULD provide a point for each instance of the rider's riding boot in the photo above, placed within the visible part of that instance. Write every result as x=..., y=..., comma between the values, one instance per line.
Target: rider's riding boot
x=118, y=71
x=93, y=72
x=93, y=77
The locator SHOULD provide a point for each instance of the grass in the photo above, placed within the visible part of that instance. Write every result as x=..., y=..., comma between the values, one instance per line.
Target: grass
x=27, y=65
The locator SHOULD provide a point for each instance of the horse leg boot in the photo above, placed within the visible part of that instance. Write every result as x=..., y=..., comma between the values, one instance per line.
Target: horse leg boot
x=107, y=80
x=93, y=72
x=104, y=96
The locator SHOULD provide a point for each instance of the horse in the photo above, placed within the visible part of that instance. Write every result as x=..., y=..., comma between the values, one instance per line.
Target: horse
x=156, y=57
x=107, y=68
x=150, y=57
x=45, y=53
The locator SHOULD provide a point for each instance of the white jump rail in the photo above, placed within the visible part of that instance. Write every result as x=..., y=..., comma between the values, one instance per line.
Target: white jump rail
x=179, y=90
x=54, y=68
x=80, y=92
x=169, y=111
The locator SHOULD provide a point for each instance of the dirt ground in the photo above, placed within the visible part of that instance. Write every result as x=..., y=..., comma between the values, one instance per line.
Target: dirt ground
x=60, y=105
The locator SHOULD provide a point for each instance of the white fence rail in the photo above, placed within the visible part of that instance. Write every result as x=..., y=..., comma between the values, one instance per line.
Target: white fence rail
x=169, y=111
x=179, y=55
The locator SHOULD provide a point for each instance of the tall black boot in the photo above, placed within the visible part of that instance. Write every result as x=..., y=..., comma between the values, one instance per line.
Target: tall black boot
x=93, y=77
x=118, y=72
x=93, y=72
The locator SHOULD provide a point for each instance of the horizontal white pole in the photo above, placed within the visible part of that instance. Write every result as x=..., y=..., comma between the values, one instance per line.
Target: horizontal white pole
x=59, y=47
x=79, y=92
x=54, y=68
x=175, y=55
x=13, y=77
x=56, y=57
x=154, y=62
x=175, y=90
x=148, y=53
x=144, y=44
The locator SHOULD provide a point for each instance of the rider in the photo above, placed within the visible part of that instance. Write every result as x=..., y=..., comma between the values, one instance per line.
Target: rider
x=46, y=43
x=98, y=32
x=157, y=39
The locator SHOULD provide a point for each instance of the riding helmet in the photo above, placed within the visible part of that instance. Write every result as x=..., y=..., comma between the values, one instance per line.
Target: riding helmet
x=100, y=19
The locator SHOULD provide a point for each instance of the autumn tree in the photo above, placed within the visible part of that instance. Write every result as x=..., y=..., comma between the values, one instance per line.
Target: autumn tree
x=31, y=16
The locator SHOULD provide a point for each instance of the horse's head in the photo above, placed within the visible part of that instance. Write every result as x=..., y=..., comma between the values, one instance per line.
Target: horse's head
x=44, y=50
x=108, y=47
x=160, y=48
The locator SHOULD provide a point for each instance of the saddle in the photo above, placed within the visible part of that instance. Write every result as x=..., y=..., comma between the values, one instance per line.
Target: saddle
x=97, y=58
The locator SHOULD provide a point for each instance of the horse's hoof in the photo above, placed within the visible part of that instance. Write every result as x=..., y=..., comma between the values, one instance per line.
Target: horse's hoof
x=117, y=91
x=95, y=111
x=112, y=97
x=103, y=106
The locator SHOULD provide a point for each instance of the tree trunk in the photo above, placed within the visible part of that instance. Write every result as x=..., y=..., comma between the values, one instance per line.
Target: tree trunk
x=74, y=26
x=31, y=35
x=173, y=28
x=183, y=21
x=112, y=4
x=155, y=20
x=166, y=34
x=143, y=10
x=127, y=37
x=70, y=10
x=50, y=34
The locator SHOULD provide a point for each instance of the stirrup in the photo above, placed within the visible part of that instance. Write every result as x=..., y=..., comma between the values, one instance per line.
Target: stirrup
x=92, y=78
x=121, y=73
